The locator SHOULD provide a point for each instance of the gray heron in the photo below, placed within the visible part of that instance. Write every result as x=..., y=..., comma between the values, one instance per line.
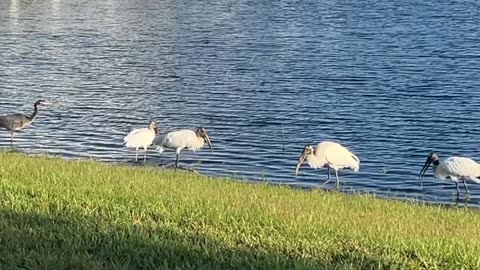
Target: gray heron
x=18, y=121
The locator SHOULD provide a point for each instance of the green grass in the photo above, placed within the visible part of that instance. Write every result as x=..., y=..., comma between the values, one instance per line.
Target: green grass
x=57, y=214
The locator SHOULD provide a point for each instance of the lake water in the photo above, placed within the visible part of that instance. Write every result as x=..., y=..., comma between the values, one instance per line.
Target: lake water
x=391, y=80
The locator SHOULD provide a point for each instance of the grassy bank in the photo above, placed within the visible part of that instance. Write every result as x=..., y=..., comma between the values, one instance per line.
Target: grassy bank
x=56, y=214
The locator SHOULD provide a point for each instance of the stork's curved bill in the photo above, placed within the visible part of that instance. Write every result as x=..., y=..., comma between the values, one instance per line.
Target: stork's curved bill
x=207, y=139
x=301, y=160
x=425, y=167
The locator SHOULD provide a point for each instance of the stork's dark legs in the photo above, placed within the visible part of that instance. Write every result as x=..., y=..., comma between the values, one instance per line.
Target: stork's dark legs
x=12, y=133
x=176, y=161
x=328, y=177
x=458, y=191
x=337, y=185
x=328, y=180
x=465, y=185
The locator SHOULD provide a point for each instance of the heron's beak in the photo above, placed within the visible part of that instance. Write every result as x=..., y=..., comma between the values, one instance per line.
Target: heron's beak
x=424, y=170
x=300, y=161
x=207, y=139
x=47, y=103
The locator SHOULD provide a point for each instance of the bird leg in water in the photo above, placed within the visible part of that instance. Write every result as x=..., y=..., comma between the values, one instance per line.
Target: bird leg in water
x=145, y=155
x=467, y=196
x=466, y=188
x=337, y=185
x=12, y=134
x=328, y=180
x=176, y=161
x=136, y=155
x=458, y=191
x=328, y=177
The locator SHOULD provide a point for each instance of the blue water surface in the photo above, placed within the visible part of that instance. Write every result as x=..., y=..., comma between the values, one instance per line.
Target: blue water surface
x=390, y=80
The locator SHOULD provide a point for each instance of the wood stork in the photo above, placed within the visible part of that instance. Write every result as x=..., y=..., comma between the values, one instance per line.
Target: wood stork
x=331, y=155
x=141, y=137
x=17, y=121
x=178, y=140
x=458, y=169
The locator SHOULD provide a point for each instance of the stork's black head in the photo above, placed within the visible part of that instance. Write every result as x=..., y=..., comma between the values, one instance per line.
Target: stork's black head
x=435, y=158
x=153, y=126
x=202, y=133
x=431, y=159
x=307, y=150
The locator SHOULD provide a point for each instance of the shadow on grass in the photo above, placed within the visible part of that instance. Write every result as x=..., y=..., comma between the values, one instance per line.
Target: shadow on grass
x=32, y=241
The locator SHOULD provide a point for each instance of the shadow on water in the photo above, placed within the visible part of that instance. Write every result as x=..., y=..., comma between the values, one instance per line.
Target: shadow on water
x=34, y=241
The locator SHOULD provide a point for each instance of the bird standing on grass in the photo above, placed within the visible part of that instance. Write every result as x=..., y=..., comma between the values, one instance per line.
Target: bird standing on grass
x=178, y=140
x=458, y=169
x=142, y=137
x=17, y=121
x=331, y=155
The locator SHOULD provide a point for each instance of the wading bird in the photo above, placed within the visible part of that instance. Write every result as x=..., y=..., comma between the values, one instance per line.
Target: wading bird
x=458, y=169
x=17, y=121
x=141, y=137
x=178, y=140
x=331, y=155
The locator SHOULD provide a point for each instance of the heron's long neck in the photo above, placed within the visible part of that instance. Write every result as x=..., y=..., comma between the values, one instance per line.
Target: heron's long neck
x=34, y=114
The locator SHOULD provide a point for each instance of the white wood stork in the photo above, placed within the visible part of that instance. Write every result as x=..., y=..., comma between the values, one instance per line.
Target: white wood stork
x=17, y=121
x=178, y=140
x=458, y=169
x=331, y=155
x=141, y=137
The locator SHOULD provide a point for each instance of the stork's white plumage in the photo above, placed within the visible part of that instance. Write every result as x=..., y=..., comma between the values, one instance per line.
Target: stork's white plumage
x=142, y=137
x=178, y=140
x=457, y=169
x=331, y=155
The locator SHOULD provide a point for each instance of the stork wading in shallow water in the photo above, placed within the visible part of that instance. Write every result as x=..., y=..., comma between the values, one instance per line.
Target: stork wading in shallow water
x=331, y=155
x=178, y=140
x=142, y=137
x=458, y=169
x=17, y=121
